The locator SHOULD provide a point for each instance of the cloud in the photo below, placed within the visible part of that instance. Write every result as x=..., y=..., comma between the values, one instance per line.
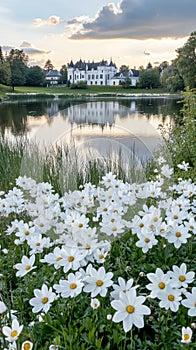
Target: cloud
x=4, y=10
x=51, y=21
x=137, y=19
x=27, y=48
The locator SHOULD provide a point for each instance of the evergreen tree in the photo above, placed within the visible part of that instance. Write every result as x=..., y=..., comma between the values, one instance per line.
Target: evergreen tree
x=48, y=65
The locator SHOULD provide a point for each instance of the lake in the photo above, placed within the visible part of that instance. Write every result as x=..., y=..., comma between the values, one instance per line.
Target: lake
x=94, y=124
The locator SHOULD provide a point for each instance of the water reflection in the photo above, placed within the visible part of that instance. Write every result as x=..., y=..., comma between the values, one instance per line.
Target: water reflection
x=17, y=118
x=97, y=125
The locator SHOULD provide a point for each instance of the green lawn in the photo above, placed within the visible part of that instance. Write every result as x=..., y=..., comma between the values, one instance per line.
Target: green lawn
x=65, y=90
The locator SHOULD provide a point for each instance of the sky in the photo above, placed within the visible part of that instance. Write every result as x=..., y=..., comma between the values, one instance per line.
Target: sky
x=130, y=32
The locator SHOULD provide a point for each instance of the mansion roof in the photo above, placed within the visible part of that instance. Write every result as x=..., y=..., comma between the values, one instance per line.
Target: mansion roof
x=82, y=65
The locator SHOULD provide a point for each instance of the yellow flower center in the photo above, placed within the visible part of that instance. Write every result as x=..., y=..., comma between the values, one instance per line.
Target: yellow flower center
x=186, y=336
x=99, y=283
x=114, y=229
x=101, y=256
x=70, y=258
x=153, y=193
x=27, y=346
x=105, y=209
x=182, y=278
x=73, y=285
x=178, y=234
x=27, y=267
x=59, y=258
x=161, y=285
x=175, y=217
x=38, y=244
x=141, y=225
x=147, y=240
x=171, y=297
x=44, y=300
x=162, y=230
x=14, y=334
x=41, y=225
x=88, y=246
x=26, y=233
x=130, y=309
x=80, y=225
x=112, y=220
x=155, y=219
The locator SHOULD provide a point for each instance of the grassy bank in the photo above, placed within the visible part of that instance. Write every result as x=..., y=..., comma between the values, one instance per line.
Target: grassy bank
x=90, y=90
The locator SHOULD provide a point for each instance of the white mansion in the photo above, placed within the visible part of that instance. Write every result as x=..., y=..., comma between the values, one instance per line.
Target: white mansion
x=99, y=73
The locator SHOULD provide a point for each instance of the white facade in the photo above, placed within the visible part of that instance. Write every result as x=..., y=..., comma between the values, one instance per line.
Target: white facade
x=119, y=78
x=93, y=73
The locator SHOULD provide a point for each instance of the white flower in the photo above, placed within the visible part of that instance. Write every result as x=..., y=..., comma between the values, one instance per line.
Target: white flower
x=43, y=299
x=166, y=171
x=130, y=310
x=180, y=276
x=122, y=287
x=70, y=287
x=26, y=266
x=3, y=307
x=183, y=166
x=146, y=240
x=159, y=282
x=98, y=282
x=27, y=345
x=186, y=335
x=178, y=235
x=170, y=298
x=12, y=333
x=95, y=303
x=190, y=302
x=53, y=347
x=72, y=258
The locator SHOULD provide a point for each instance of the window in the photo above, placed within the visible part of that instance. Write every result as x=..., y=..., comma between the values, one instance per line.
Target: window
x=113, y=82
x=93, y=76
x=101, y=83
x=97, y=77
x=89, y=77
x=101, y=76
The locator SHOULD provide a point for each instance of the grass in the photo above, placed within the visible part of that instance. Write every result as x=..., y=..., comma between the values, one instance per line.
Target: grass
x=65, y=90
x=62, y=165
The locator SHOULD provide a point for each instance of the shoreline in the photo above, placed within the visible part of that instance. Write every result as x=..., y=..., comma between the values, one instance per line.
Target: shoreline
x=19, y=96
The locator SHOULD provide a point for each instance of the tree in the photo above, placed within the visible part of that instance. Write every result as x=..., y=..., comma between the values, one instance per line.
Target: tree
x=149, y=78
x=186, y=61
x=48, y=65
x=5, y=73
x=124, y=68
x=63, y=72
x=149, y=66
x=35, y=76
x=18, y=66
x=171, y=80
x=1, y=55
x=126, y=83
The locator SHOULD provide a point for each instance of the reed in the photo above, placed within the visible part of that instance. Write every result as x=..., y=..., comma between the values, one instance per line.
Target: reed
x=64, y=166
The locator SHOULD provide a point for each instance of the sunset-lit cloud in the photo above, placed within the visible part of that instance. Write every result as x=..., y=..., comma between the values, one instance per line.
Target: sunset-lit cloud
x=139, y=20
x=51, y=21
x=124, y=30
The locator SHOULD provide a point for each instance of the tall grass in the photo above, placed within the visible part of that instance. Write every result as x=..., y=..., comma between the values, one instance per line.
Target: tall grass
x=65, y=167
